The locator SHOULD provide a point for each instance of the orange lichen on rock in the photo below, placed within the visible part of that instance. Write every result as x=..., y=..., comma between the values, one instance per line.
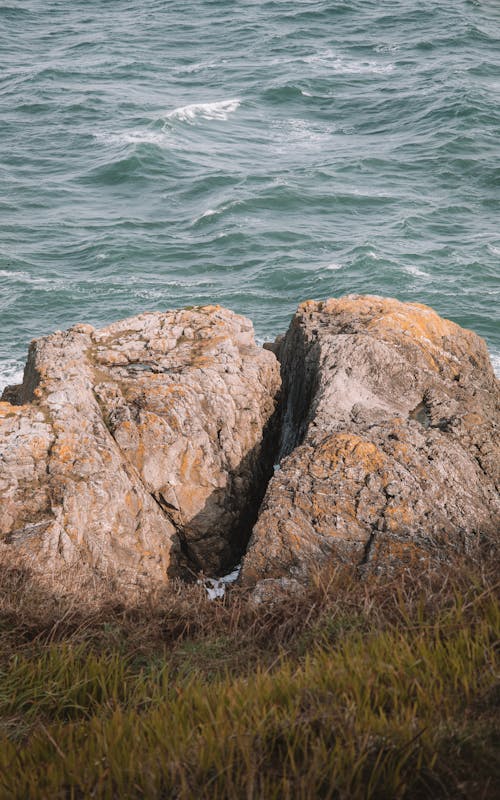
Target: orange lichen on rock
x=399, y=517
x=394, y=411
x=130, y=431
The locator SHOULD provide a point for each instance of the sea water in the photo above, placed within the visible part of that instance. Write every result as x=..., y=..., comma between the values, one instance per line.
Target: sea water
x=254, y=154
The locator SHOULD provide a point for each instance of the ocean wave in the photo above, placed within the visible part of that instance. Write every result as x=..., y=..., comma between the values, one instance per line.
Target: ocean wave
x=298, y=131
x=26, y=277
x=219, y=110
x=411, y=269
x=495, y=251
x=6, y=273
x=341, y=65
x=11, y=373
x=333, y=265
x=495, y=361
x=158, y=138
x=210, y=212
x=215, y=212
x=188, y=69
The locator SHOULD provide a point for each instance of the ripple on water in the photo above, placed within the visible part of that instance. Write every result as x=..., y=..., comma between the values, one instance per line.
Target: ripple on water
x=165, y=154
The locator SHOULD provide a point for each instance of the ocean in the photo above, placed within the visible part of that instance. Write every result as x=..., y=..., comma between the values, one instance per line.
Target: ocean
x=169, y=153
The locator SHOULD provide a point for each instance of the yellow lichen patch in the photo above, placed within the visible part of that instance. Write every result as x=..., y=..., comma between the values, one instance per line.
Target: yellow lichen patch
x=369, y=454
x=399, y=517
x=400, y=451
x=191, y=465
x=106, y=456
x=353, y=304
x=472, y=419
x=8, y=410
x=389, y=315
x=212, y=343
x=310, y=306
x=132, y=503
x=201, y=361
x=418, y=324
x=295, y=542
x=174, y=389
x=137, y=452
x=38, y=447
x=403, y=552
x=351, y=450
x=210, y=309
x=66, y=450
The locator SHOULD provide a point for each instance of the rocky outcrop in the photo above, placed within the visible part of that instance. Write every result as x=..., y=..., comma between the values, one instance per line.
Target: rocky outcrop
x=143, y=450
x=389, y=446
x=135, y=452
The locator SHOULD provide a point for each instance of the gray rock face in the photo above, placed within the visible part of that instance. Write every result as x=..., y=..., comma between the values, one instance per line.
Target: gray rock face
x=135, y=452
x=142, y=451
x=389, y=449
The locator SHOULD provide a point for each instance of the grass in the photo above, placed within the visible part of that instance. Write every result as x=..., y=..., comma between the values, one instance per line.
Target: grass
x=358, y=689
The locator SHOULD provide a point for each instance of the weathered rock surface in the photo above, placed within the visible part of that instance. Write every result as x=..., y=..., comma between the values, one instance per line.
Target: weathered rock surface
x=390, y=447
x=142, y=450
x=135, y=452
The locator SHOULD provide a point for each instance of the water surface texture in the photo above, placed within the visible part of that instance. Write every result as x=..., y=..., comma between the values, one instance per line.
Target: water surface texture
x=160, y=154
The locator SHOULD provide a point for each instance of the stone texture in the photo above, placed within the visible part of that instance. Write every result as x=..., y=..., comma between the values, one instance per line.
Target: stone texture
x=389, y=451
x=134, y=452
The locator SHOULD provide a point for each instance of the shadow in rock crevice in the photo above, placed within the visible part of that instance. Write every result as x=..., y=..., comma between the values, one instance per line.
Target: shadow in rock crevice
x=214, y=540
x=299, y=359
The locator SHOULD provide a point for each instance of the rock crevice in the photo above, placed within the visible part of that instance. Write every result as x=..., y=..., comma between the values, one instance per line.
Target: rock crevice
x=389, y=446
x=145, y=450
x=140, y=445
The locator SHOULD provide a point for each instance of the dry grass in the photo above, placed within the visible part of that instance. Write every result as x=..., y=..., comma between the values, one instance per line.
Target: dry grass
x=358, y=689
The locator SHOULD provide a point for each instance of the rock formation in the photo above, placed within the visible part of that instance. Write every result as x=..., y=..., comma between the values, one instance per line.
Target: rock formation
x=143, y=450
x=135, y=452
x=389, y=444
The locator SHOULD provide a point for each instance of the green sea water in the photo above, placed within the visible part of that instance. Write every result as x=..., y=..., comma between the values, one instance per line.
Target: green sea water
x=164, y=153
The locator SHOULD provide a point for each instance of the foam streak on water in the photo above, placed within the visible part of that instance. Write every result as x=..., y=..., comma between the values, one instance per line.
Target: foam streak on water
x=161, y=154
x=218, y=110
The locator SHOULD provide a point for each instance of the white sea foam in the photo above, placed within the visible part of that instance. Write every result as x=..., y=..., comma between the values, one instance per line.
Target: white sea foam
x=11, y=372
x=6, y=273
x=219, y=110
x=213, y=212
x=372, y=254
x=411, y=269
x=387, y=48
x=296, y=131
x=159, y=138
x=333, y=265
x=495, y=361
x=27, y=277
x=188, y=69
x=210, y=212
x=494, y=250
x=341, y=65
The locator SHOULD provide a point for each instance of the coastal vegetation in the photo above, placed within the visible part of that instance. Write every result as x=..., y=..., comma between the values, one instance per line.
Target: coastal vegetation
x=371, y=688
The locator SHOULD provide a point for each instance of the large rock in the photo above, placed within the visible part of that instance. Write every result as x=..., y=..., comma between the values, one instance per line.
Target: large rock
x=135, y=452
x=389, y=451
